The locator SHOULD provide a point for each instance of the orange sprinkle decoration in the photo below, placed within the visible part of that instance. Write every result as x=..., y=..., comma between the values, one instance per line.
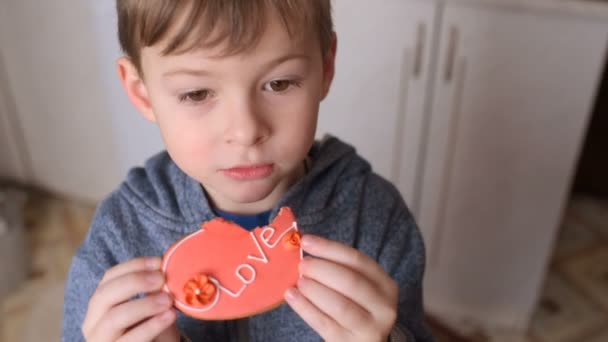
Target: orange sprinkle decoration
x=291, y=241
x=199, y=290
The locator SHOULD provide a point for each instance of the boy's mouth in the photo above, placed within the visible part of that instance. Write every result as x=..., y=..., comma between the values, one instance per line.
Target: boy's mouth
x=249, y=172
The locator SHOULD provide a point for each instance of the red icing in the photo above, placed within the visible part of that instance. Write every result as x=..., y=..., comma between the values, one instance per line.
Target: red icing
x=291, y=241
x=199, y=291
x=225, y=272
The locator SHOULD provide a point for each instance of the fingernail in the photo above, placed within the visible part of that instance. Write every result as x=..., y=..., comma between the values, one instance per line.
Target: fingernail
x=152, y=263
x=309, y=241
x=291, y=295
x=154, y=278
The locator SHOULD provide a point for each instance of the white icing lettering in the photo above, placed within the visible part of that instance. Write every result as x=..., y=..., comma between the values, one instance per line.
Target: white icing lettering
x=240, y=275
x=263, y=259
x=263, y=233
x=294, y=226
x=233, y=294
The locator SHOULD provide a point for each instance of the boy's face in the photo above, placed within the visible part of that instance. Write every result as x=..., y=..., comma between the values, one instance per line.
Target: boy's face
x=241, y=125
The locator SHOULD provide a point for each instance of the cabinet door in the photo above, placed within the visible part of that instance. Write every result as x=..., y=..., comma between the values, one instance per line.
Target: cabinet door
x=377, y=97
x=513, y=94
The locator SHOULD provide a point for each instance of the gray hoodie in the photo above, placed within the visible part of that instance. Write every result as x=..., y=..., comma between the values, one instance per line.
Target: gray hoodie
x=340, y=198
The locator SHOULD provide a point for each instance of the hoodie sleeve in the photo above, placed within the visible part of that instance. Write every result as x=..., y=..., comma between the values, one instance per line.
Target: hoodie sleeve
x=82, y=281
x=406, y=265
x=402, y=255
x=88, y=267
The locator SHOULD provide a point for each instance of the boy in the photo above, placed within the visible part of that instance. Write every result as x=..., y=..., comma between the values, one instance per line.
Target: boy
x=235, y=87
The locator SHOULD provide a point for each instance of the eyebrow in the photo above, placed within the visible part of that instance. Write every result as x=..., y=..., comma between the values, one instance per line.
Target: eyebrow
x=202, y=72
x=286, y=58
x=186, y=71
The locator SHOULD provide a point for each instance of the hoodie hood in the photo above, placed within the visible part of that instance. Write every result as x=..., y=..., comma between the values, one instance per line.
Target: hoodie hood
x=165, y=193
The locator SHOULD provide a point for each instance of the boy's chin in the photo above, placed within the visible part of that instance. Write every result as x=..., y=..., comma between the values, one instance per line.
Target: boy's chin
x=253, y=195
x=249, y=199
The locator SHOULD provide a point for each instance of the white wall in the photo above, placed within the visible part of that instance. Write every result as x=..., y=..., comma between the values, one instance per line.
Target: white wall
x=80, y=130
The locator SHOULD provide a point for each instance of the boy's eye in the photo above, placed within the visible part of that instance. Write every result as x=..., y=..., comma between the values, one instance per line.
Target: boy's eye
x=195, y=96
x=279, y=85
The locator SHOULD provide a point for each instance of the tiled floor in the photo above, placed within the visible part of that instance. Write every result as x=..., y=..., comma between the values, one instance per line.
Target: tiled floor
x=54, y=229
x=574, y=304
x=573, y=308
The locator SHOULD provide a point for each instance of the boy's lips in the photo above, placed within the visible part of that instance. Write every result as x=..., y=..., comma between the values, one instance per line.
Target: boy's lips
x=249, y=172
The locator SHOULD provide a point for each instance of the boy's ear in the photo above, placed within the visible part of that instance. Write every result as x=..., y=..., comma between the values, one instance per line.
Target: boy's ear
x=135, y=87
x=329, y=65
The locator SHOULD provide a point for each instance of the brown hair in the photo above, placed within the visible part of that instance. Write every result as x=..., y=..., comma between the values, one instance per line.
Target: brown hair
x=190, y=24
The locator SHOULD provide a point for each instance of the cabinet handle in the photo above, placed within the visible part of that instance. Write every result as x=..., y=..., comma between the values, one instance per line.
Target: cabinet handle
x=420, y=40
x=453, y=142
x=451, y=57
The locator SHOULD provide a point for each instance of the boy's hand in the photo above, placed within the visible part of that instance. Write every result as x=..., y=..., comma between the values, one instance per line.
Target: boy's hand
x=343, y=294
x=112, y=316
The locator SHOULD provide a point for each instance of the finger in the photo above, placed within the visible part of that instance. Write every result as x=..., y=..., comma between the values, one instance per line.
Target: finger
x=343, y=280
x=171, y=334
x=120, y=290
x=122, y=317
x=150, y=329
x=345, y=255
x=131, y=266
x=95, y=311
x=343, y=310
x=324, y=325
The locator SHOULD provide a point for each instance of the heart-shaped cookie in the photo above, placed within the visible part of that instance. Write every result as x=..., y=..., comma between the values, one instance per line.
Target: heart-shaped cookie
x=225, y=272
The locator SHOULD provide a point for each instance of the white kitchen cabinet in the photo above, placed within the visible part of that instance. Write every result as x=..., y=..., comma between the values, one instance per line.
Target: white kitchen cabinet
x=80, y=131
x=377, y=98
x=512, y=94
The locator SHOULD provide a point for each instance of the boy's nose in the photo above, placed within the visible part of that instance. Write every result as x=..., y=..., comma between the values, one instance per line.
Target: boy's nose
x=245, y=126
